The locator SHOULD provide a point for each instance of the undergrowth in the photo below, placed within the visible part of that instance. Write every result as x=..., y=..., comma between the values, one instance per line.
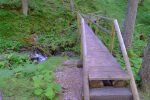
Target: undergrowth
x=28, y=80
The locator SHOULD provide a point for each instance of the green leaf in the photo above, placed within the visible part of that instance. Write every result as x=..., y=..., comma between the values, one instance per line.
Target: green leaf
x=38, y=92
x=137, y=78
x=49, y=93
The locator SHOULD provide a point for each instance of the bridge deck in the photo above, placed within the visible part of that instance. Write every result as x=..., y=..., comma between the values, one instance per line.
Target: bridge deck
x=99, y=61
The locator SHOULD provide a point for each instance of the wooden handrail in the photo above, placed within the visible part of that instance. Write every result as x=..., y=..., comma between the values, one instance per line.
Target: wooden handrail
x=126, y=59
x=85, y=70
x=125, y=56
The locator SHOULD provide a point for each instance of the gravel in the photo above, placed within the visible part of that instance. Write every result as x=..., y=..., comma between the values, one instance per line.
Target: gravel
x=70, y=78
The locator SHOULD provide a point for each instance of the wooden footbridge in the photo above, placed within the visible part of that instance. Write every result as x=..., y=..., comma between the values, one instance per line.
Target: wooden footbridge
x=101, y=68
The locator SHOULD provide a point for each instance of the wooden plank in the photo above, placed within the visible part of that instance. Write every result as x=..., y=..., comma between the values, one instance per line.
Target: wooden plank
x=108, y=75
x=126, y=59
x=104, y=68
x=110, y=93
x=99, y=60
x=105, y=61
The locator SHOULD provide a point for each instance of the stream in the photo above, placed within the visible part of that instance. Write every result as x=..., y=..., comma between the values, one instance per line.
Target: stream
x=37, y=57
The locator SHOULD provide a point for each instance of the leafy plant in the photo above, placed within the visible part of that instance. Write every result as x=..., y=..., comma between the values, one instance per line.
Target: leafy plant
x=134, y=61
x=44, y=82
x=29, y=80
x=12, y=60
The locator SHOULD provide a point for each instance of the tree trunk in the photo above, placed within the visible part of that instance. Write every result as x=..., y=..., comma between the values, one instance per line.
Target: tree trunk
x=72, y=5
x=130, y=22
x=25, y=7
x=145, y=69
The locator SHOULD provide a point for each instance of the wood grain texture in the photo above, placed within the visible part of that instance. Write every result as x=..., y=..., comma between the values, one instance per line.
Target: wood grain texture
x=126, y=59
x=110, y=93
x=100, y=62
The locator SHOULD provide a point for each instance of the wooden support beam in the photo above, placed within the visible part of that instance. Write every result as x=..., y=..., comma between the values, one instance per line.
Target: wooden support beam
x=111, y=46
x=79, y=22
x=80, y=32
x=91, y=21
x=25, y=7
x=126, y=59
x=102, y=17
x=97, y=22
x=102, y=28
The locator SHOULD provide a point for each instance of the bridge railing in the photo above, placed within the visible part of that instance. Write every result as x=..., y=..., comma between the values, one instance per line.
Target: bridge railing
x=126, y=59
x=116, y=29
x=96, y=23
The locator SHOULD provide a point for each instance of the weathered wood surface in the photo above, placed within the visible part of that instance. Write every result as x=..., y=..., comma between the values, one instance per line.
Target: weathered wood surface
x=126, y=59
x=110, y=93
x=100, y=63
x=84, y=53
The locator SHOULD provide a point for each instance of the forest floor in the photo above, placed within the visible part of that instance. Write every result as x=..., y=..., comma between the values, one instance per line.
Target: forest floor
x=70, y=78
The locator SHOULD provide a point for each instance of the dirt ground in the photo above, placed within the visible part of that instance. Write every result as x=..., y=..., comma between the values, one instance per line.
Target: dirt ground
x=70, y=78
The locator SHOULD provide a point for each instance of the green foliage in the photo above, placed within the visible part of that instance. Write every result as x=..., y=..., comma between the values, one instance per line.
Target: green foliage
x=12, y=60
x=6, y=44
x=135, y=62
x=11, y=3
x=60, y=42
x=44, y=82
x=31, y=80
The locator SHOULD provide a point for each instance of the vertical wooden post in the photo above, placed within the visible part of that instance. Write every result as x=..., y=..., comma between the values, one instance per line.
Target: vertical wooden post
x=79, y=22
x=89, y=21
x=111, y=46
x=97, y=22
x=126, y=59
x=79, y=30
x=25, y=7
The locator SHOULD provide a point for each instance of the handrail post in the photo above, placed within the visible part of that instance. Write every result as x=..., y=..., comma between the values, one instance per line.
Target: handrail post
x=97, y=22
x=112, y=39
x=79, y=30
x=78, y=23
x=126, y=59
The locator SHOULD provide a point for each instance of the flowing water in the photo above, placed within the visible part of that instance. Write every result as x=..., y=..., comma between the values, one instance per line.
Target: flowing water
x=38, y=57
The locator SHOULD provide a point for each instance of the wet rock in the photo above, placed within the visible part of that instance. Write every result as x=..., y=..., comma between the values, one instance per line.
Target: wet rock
x=37, y=57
